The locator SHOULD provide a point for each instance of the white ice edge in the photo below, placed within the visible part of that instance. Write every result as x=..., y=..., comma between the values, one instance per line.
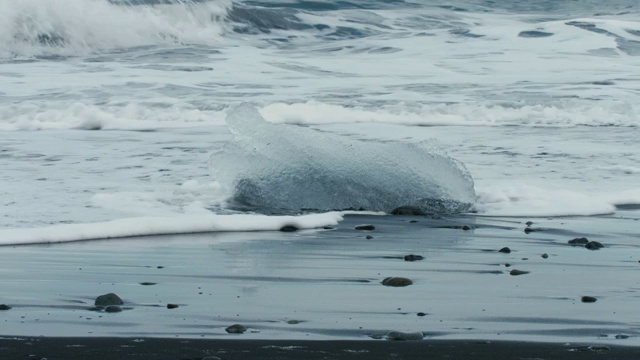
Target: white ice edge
x=145, y=226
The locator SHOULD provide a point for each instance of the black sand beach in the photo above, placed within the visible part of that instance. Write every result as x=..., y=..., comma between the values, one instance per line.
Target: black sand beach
x=319, y=294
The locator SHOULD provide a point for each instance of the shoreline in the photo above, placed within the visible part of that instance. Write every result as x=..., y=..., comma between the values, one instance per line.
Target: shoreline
x=197, y=349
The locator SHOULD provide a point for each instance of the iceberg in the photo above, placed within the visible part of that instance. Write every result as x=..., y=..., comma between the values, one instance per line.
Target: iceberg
x=278, y=168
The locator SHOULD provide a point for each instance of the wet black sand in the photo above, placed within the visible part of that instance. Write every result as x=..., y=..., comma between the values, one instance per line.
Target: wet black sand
x=190, y=349
x=319, y=294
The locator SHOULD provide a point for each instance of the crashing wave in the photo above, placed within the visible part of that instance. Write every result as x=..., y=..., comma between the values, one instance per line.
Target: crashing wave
x=283, y=168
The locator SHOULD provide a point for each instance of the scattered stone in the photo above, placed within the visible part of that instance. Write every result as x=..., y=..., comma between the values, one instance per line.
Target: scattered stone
x=545, y=256
x=593, y=245
x=160, y=267
x=599, y=348
x=515, y=272
x=172, y=306
x=365, y=227
x=579, y=241
x=408, y=210
x=530, y=230
x=529, y=223
x=146, y=283
x=236, y=329
x=368, y=237
x=396, y=281
x=466, y=228
x=412, y=257
x=108, y=299
x=507, y=265
x=413, y=221
x=5, y=307
x=421, y=314
x=289, y=228
x=534, y=34
x=588, y=299
x=328, y=227
x=505, y=250
x=113, y=309
x=622, y=336
x=402, y=336
x=294, y=322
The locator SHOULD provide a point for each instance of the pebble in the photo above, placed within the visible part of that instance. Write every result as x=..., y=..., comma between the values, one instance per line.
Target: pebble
x=466, y=228
x=412, y=257
x=505, y=250
x=5, y=307
x=172, y=306
x=289, y=228
x=515, y=272
x=365, y=227
x=588, y=299
x=369, y=237
x=421, y=314
x=146, y=283
x=545, y=255
x=108, y=299
x=529, y=223
x=593, y=245
x=236, y=329
x=579, y=241
x=396, y=281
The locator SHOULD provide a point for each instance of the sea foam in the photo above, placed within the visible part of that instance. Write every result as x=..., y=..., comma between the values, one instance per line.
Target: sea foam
x=283, y=168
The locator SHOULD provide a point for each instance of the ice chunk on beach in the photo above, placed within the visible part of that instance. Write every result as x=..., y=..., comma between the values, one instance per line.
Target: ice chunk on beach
x=277, y=168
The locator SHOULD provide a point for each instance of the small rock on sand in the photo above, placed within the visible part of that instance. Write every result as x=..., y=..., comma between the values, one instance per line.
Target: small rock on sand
x=545, y=256
x=622, y=336
x=288, y=228
x=412, y=257
x=108, y=299
x=396, y=281
x=172, y=306
x=505, y=250
x=593, y=245
x=368, y=237
x=529, y=223
x=467, y=228
x=147, y=283
x=402, y=336
x=365, y=227
x=5, y=307
x=579, y=241
x=236, y=329
x=421, y=314
x=515, y=272
x=588, y=299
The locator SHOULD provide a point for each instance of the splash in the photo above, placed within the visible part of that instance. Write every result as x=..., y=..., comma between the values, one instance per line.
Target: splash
x=44, y=28
x=282, y=168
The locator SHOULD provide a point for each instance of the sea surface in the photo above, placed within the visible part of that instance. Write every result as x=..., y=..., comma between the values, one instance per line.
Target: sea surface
x=110, y=110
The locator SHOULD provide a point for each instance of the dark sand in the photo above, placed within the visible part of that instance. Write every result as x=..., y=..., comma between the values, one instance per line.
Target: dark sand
x=318, y=293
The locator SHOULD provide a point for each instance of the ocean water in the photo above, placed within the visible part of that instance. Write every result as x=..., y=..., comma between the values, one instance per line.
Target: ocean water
x=110, y=109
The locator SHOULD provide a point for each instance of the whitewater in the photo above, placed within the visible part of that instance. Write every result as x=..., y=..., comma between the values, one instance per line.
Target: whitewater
x=113, y=114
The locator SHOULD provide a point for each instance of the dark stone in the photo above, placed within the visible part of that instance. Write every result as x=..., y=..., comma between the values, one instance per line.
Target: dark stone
x=421, y=314
x=507, y=265
x=146, y=283
x=622, y=336
x=530, y=230
x=289, y=228
x=593, y=245
x=466, y=228
x=369, y=237
x=579, y=241
x=396, y=281
x=365, y=227
x=5, y=307
x=408, y=210
x=172, y=306
x=515, y=272
x=529, y=223
x=534, y=34
x=588, y=299
x=402, y=336
x=113, y=309
x=412, y=257
x=108, y=299
x=505, y=250
x=293, y=322
x=413, y=221
x=545, y=256
x=328, y=227
x=236, y=329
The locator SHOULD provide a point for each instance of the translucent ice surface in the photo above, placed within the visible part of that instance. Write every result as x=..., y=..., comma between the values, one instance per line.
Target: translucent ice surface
x=283, y=168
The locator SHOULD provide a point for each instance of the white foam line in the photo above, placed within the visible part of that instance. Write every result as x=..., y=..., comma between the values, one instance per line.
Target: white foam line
x=145, y=226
